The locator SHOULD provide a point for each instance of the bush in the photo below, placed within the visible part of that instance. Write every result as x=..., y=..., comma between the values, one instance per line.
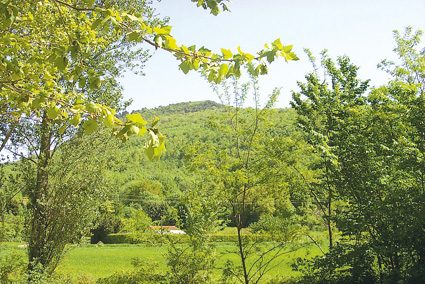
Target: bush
x=345, y=264
x=105, y=224
x=12, y=267
x=12, y=228
x=148, y=238
x=143, y=238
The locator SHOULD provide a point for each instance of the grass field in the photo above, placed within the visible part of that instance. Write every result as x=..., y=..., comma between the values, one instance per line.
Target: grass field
x=93, y=261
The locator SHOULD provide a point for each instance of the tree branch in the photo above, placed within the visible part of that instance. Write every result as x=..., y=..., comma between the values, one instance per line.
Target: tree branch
x=6, y=138
x=73, y=7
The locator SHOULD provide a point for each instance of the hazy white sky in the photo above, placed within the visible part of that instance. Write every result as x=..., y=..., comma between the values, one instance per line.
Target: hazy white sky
x=361, y=29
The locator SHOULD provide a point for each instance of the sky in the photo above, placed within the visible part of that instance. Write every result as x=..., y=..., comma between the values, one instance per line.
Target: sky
x=360, y=29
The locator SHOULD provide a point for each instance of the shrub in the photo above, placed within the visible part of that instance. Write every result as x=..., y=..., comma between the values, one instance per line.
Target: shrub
x=148, y=238
x=143, y=238
x=12, y=267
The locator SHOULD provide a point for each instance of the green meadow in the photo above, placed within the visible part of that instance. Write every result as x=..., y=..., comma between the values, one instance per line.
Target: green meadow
x=86, y=263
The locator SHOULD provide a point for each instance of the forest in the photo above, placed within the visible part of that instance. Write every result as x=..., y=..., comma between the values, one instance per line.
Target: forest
x=328, y=190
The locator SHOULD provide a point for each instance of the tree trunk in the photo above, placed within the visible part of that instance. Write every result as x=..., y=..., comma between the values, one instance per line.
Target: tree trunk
x=329, y=211
x=38, y=228
x=245, y=275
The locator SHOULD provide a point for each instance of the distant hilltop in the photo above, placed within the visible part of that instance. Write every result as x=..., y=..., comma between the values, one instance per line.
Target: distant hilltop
x=184, y=107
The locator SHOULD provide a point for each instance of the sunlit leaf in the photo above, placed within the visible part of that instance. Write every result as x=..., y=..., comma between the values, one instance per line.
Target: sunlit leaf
x=89, y=126
x=136, y=117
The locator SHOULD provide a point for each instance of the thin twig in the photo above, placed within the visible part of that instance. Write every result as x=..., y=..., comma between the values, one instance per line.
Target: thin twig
x=316, y=243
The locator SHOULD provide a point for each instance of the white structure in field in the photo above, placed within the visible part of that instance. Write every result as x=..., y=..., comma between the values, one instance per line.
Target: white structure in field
x=167, y=230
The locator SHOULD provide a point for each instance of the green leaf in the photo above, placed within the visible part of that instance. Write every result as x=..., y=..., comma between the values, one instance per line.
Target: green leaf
x=82, y=82
x=133, y=36
x=293, y=56
x=96, y=23
x=157, y=153
x=223, y=70
x=154, y=139
x=271, y=55
x=123, y=131
x=253, y=71
x=249, y=57
x=155, y=121
x=263, y=69
x=133, y=130
x=227, y=54
x=195, y=64
x=237, y=69
x=277, y=43
x=211, y=76
x=62, y=130
x=205, y=51
x=287, y=48
x=149, y=151
x=142, y=131
x=171, y=43
x=61, y=63
x=162, y=142
x=185, y=66
x=93, y=108
x=136, y=117
x=95, y=83
x=109, y=120
x=53, y=112
x=75, y=120
x=185, y=50
x=90, y=126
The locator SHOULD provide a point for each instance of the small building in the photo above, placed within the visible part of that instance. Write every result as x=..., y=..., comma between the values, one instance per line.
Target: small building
x=167, y=230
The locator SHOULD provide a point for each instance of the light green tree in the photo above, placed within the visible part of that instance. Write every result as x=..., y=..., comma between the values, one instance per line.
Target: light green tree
x=240, y=179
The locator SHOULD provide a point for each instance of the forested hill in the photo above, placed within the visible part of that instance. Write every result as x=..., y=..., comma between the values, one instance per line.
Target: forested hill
x=186, y=107
x=186, y=125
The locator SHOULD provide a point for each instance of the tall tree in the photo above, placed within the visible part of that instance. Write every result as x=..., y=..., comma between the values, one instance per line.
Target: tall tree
x=323, y=115
x=63, y=198
x=241, y=181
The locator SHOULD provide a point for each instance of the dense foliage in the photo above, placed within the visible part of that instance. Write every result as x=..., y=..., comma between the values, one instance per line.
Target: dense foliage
x=371, y=149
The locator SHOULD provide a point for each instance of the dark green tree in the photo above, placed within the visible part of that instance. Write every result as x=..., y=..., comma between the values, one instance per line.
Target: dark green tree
x=324, y=107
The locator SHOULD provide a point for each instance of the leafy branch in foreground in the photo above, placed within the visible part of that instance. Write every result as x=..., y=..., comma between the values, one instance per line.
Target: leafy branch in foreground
x=52, y=67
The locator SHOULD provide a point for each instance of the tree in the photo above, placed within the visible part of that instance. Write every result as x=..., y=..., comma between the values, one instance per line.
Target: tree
x=323, y=115
x=64, y=209
x=396, y=112
x=240, y=178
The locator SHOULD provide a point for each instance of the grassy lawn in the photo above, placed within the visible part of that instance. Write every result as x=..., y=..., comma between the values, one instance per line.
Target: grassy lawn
x=93, y=261
x=103, y=261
